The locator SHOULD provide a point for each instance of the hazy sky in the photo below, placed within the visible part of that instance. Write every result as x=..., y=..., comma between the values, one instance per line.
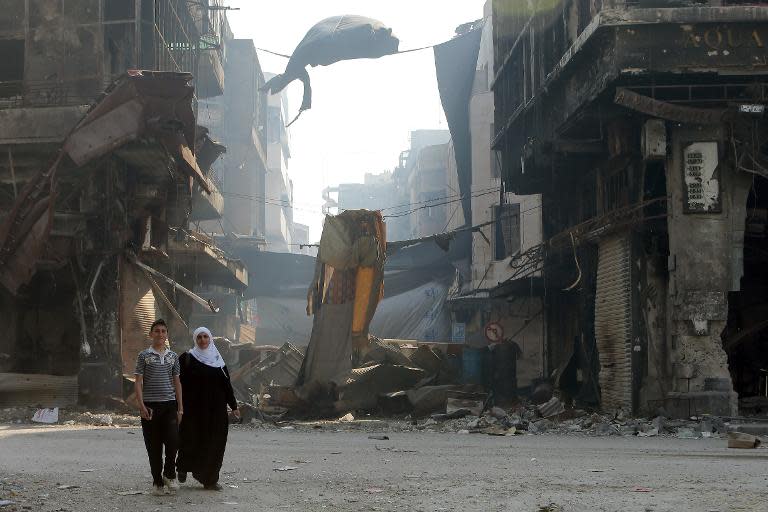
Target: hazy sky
x=362, y=110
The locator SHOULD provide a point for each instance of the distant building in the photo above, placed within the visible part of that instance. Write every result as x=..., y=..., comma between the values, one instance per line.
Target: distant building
x=279, y=187
x=301, y=239
x=428, y=186
x=377, y=192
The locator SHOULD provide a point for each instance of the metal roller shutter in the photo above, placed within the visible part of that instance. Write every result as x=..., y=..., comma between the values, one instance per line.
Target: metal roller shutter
x=139, y=311
x=613, y=322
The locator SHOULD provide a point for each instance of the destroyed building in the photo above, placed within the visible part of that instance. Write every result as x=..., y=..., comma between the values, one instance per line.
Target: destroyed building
x=103, y=170
x=641, y=124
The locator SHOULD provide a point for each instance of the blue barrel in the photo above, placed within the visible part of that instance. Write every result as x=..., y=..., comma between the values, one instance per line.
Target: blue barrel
x=473, y=365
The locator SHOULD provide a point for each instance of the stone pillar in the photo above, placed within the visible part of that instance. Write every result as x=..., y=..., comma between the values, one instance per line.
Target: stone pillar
x=704, y=264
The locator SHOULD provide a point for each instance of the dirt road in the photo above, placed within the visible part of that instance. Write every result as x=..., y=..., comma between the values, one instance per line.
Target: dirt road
x=347, y=471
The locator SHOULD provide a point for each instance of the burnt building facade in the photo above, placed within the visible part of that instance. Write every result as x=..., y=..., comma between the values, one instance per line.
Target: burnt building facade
x=104, y=169
x=641, y=125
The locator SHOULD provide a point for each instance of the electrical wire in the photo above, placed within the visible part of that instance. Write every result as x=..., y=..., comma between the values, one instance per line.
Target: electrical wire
x=414, y=210
x=479, y=22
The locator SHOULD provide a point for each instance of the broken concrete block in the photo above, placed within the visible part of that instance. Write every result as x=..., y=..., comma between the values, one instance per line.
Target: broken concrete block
x=650, y=433
x=459, y=400
x=606, y=429
x=498, y=413
x=741, y=440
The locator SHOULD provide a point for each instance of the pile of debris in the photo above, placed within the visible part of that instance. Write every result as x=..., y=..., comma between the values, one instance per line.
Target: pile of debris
x=278, y=368
x=553, y=417
x=385, y=381
x=67, y=416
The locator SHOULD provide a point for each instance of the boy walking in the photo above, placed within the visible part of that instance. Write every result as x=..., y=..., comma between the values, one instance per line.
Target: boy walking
x=158, y=391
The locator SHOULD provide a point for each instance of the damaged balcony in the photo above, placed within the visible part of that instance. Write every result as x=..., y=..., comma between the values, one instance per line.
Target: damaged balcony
x=196, y=254
x=207, y=206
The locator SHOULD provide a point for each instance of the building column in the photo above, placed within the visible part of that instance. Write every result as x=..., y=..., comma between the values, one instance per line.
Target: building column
x=702, y=270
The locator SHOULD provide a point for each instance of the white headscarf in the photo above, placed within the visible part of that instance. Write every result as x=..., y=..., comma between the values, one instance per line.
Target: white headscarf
x=210, y=356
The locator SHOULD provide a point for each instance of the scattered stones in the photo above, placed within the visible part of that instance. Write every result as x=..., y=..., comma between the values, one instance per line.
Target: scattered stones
x=687, y=433
x=606, y=429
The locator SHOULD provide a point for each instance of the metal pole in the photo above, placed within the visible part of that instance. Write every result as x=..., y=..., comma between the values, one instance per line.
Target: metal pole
x=13, y=173
x=205, y=303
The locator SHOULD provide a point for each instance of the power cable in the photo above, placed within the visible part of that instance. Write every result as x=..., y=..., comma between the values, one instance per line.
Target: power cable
x=422, y=48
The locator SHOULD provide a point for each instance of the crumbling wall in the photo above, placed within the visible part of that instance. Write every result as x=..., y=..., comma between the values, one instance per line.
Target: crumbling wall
x=704, y=265
x=63, y=58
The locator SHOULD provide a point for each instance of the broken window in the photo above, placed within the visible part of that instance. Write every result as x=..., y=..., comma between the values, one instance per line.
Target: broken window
x=433, y=197
x=119, y=10
x=119, y=46
x=11, y=67
x=507, y=233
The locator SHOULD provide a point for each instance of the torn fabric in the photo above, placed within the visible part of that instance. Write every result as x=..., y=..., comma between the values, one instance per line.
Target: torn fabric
x=332, y=40
x=455, y=63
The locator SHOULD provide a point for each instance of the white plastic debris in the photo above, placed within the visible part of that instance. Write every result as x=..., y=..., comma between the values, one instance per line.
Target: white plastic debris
x=48, y=416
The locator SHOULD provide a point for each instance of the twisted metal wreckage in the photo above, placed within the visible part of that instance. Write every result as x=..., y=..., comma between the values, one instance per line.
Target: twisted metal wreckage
x=135, y=149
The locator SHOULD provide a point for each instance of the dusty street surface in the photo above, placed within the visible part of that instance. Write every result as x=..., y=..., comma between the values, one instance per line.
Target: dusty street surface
x=412, y=471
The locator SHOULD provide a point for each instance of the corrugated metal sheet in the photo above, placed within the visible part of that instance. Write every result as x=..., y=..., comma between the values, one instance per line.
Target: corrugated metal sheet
x=613, y=322
x=247, y=333
x=37, y=390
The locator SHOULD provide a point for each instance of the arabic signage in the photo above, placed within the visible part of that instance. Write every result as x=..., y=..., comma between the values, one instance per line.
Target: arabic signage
x=701, y=179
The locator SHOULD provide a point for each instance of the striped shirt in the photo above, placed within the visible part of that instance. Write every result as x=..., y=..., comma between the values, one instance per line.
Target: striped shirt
x=158, y=370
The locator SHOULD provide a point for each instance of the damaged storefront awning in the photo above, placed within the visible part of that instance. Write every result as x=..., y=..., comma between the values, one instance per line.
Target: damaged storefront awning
x=141, y=104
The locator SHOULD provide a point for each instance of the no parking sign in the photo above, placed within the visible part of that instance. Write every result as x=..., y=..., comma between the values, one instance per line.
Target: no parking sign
x=494, y=332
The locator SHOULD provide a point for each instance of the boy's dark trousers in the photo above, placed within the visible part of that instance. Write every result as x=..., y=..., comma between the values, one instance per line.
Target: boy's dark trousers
x=162, y=429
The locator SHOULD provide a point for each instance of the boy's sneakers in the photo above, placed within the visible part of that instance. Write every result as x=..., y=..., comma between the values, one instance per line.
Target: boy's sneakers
x=171, y=485
x=158, y=490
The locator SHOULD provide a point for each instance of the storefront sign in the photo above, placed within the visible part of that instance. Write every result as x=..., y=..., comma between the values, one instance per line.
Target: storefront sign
x=757, y=110
x=459, y=332
x=701, y=180
x=724, y=37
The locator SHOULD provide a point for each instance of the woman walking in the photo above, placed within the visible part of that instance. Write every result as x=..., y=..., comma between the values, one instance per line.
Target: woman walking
x=206, y=391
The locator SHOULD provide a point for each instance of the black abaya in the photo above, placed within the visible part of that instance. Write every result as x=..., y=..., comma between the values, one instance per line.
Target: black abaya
x=206, y=392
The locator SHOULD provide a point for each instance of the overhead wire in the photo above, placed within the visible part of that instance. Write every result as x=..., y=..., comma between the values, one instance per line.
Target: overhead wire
x=410, y=50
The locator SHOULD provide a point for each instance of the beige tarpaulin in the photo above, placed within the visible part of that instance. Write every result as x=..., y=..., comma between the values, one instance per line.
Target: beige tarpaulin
x=344, y=297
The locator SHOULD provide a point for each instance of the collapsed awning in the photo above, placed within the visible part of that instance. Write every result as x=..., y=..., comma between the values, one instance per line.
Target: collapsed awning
x=155, y=104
